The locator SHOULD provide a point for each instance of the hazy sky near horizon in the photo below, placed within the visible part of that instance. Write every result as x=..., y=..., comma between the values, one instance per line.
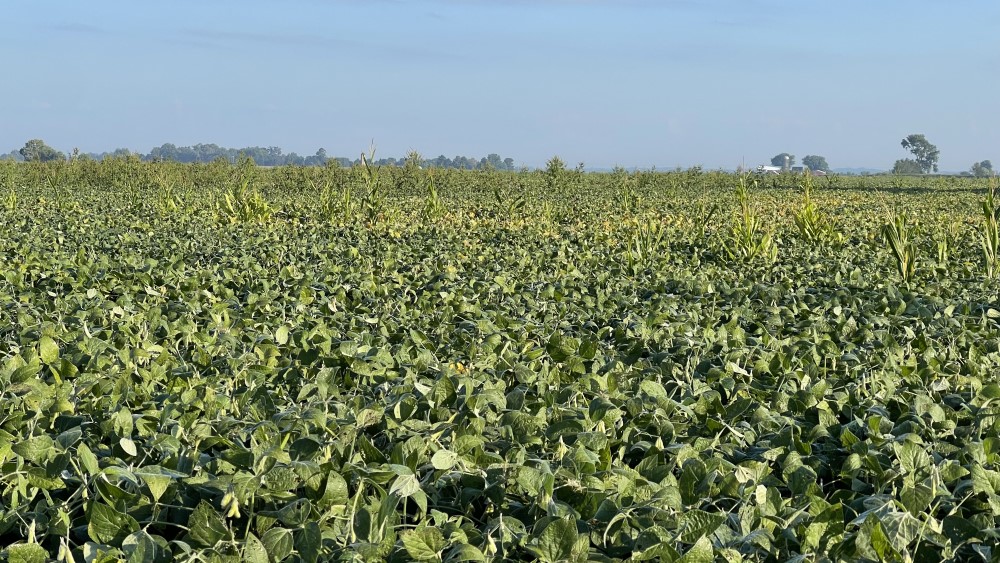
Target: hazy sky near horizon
x=625, y=82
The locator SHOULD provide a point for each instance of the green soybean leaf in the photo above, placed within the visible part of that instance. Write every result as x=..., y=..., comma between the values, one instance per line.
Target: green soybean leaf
x=254, y=550
x=336, y=492
x=424, y=544
x=916, y=498
x=88, y=459
x=36, y=450
x=295, y=513
x=465, y=552
x=959, y=529
x=695, y=524
x=278, y=543
x=140, y=547
x=653, y=389
x=206, y=525
x=109, y=526
x=700, y=552
x=560, y=541
x=309, y=542
x=156, y=480
x=912, y=457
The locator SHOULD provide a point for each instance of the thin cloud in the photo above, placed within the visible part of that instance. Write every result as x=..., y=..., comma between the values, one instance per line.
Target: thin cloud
x=215, y=39
x=82, y=28
x=286, y=39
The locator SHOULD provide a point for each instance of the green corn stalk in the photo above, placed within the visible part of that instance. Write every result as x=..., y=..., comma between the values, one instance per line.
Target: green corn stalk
x=167, y=200
x=899, y=237
x=242, y=203
x=645, y=244
x=335, y=204
x=8, y=169
x=813, y=225
x=555, y=173
x=508, y=205
x=346, y=203
x=628, y=195
x=943, y=245
x=547, y=213
x=946, y=239
x=10, y=200
x=372, y=202
x=434, y=206
x=989, y=232
x=125, y=172
x=704, y=215
x=55, y=180
x=748, y=238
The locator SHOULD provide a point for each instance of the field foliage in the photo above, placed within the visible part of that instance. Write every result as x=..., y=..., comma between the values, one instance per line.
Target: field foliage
x=228, y=363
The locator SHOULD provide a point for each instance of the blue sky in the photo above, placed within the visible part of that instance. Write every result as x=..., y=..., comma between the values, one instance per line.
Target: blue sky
x=626, y=82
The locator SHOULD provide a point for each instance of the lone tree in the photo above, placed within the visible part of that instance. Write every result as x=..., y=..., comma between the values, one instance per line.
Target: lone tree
x=924, y=153
x=814, y=162
x=907, y=166
x=37, y=150
x=982, y=169
x=783, y=160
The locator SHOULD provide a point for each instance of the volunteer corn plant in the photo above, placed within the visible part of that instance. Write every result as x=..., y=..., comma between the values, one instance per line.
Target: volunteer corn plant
x=946, y=239
x=749, y=236
x=242, y=201
x=508, y=201
x=628, y=196
x=701, y=218
x=989, y=231
x=168, y=200
x=372, y=201
x=488, y=388
x=10, y=200
x=898, y=235
x=646, y=243
x=813, y=225
x=434, y=205
x=336, y=197
x=555, y=174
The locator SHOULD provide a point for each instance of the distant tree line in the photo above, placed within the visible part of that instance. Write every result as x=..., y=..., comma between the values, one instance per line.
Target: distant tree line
x=37, y=150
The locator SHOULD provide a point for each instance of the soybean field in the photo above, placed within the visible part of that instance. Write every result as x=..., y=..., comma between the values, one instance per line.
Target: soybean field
x=223, y=362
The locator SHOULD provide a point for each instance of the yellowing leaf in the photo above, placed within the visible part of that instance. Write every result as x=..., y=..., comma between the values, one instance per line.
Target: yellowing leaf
x=443, y=459
x=26, y=553
x=48, y=350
